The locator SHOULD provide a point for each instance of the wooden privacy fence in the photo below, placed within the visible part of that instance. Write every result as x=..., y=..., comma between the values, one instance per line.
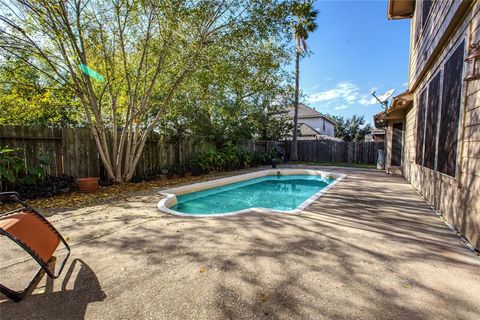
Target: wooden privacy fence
x=334, y=151
x=324, y=150
x=72, y=151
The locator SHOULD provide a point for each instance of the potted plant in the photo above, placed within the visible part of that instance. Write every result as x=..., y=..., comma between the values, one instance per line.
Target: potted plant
x=87, y=184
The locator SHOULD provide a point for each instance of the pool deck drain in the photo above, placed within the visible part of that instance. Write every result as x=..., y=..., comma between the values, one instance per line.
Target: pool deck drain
x=370, y=250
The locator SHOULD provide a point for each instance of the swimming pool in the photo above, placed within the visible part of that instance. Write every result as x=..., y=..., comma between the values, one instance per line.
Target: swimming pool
x=288, y=191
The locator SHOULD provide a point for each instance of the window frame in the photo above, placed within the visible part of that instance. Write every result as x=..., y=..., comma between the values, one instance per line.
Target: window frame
x=462, y=93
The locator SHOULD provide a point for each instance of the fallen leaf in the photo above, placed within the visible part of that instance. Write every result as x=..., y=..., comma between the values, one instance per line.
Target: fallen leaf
x=116, y=191
x=263, y=297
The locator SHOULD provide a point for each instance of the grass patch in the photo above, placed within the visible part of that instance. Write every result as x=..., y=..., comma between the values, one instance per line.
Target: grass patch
x=336, y=164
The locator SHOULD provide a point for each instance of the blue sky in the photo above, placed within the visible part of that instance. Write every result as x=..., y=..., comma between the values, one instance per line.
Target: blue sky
x=355, y=50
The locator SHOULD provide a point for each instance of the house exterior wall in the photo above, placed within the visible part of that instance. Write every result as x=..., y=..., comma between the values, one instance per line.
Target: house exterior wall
x=456, y=197
x=317, y=124
x=425, y=37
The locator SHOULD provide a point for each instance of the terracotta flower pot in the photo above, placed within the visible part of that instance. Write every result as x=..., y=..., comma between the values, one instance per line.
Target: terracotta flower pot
x=87, y=184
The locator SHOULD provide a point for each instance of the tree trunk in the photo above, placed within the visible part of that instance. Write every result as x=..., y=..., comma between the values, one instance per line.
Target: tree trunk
x=294, y=154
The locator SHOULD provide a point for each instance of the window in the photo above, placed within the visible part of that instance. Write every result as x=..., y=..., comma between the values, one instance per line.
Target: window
x=323, y=126
x=450, y=112
x=421, y=127
x=439, y=115
x=433, y=105
x=421, y=17
x=426, y=6
x=397, y=144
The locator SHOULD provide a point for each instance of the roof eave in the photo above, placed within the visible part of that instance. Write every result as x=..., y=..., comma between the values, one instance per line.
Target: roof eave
x=400, y=9
x=400, y=103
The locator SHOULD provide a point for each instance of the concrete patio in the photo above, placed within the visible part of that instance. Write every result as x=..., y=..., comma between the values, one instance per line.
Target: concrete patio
x=370, y=248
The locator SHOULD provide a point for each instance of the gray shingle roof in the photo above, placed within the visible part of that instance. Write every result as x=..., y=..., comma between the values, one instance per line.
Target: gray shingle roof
x=305, y=111
x=308, y=133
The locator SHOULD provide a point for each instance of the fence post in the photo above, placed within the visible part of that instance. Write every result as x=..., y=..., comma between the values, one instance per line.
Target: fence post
x=349, y=152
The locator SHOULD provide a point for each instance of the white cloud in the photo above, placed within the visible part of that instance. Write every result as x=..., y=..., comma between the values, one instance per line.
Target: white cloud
x=405, y=84
x=367, y=100
x=347, y=91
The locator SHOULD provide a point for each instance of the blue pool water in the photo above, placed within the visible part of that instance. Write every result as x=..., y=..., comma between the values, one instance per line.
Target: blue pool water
x=273, y=192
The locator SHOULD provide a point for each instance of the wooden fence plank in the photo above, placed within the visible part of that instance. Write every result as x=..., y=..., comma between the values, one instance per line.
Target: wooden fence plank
x=74, y=152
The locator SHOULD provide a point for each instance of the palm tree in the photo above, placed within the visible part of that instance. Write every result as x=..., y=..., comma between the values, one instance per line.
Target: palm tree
x=304, y=24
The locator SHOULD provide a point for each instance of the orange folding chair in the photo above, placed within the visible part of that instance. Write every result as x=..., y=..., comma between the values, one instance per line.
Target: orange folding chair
x=31, y=231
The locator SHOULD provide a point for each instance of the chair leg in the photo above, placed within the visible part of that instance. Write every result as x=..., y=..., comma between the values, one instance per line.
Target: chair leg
x=17, y=296
x=49, y=280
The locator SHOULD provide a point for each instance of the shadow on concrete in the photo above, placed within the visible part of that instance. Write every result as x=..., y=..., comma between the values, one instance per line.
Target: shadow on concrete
x=370, y=248
x=79, y=288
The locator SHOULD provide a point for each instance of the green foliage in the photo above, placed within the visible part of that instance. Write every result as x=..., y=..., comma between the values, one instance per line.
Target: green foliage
x=351, y=129
x=230, y=98
x=206, y=67
x=229, y=158
x=14, y=171
x=29, y=99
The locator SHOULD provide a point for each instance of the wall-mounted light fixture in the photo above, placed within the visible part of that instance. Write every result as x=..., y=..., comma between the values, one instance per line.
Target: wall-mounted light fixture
x=473, y=62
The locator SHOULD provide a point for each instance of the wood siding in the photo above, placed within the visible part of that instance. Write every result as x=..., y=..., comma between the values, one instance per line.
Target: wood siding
x=457, y=197
x=427, y=33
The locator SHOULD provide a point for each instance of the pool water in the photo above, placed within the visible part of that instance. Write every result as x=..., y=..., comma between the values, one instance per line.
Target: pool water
x=283, y=193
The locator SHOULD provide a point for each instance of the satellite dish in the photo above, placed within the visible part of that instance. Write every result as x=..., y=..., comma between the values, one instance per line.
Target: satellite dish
x=384, y=97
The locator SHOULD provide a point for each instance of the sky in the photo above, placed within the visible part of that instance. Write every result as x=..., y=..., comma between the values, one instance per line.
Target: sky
x=355, y=50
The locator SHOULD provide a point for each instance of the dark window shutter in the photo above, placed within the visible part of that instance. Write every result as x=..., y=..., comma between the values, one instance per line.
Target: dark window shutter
x=426, y=5
x=397, y=144
x=450, y=112
x=433, y=105
x=421, y=127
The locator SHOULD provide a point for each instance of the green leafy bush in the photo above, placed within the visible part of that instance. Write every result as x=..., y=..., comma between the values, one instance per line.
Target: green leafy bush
x=14, y=171
x=229, y=157
x=48, y=187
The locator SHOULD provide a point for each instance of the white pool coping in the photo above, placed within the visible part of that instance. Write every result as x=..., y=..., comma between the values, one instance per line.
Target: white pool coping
x=170, y=199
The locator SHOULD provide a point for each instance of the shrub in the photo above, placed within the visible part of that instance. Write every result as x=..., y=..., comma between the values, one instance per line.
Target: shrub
x=14, y=171
x=229, y=158
x=48, y=187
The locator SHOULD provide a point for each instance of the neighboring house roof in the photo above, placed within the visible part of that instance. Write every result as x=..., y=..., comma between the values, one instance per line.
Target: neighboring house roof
x=307, y=132
x=305, y=112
